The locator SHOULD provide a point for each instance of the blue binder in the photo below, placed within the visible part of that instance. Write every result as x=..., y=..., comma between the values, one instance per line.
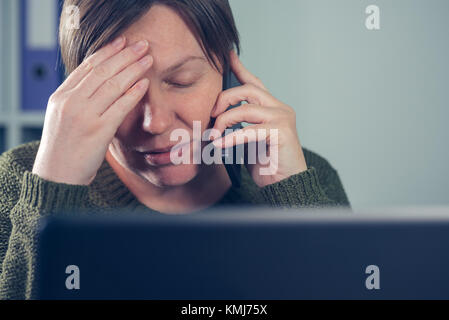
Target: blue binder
x=40, y=72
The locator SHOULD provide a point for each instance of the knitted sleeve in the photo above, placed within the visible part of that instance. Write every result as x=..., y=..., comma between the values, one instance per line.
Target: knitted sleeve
x=25, y=198
x=318, y=186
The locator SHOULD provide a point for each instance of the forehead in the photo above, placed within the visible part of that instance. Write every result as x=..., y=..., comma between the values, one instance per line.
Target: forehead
x=167, y=33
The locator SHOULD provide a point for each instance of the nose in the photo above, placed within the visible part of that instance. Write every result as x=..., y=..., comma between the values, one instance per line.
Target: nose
x=157, y=116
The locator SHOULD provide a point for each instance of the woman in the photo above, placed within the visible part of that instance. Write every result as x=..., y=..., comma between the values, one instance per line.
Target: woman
x=137, y=71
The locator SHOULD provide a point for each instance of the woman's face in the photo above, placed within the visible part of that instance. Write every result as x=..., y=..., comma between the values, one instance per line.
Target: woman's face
x=183, y=88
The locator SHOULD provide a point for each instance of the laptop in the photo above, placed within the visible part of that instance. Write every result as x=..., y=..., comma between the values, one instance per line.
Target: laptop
x=247, y=253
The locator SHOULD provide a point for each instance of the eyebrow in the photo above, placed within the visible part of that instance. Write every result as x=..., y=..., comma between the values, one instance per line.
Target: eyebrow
x=181, y=63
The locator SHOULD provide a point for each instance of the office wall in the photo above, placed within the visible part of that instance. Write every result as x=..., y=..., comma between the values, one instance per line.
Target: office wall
x=374, y=103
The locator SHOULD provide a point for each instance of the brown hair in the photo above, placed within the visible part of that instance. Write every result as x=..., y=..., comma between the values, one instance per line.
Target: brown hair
x=211, y=22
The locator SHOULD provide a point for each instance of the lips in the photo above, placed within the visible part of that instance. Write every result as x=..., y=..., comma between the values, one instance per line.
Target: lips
x=158, y=159
x=158, y=150
x=161, y=156
x=163, y=150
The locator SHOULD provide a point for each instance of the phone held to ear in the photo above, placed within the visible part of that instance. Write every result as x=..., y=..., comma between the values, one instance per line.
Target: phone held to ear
x=229, y=155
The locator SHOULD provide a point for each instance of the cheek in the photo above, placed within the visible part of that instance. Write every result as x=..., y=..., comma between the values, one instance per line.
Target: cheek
x=126, y=128
x=198, y=104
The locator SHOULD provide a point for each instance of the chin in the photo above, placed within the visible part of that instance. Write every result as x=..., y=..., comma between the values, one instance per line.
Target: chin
x=172, y=175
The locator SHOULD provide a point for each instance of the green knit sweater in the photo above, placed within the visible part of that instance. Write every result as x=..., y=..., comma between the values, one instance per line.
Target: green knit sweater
x=25, y=198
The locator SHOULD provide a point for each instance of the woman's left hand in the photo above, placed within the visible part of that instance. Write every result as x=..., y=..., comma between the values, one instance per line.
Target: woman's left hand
x=264, y=112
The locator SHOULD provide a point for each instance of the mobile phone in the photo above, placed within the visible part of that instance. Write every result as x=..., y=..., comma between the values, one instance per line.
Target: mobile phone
x=231, y=81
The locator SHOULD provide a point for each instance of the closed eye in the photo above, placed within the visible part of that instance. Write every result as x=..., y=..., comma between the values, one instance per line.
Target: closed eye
x=179, y=85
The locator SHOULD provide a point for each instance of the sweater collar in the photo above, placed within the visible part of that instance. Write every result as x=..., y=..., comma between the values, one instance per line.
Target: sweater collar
x=116, y=194
x=113, y=191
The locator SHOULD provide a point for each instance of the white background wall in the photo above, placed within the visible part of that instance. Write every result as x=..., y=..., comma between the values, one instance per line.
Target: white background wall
x=374, y=103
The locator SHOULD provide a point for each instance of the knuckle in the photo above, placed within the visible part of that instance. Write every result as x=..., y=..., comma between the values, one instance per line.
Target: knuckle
x=288, y=114
x=100, y=71
x=59, y=113
x=113, y=84
x=258, y=80
x=86, y=65
x=59, y=99
x=221, y=97
x=54, y=98
x=90, y=59
x=290, y=111
x=245, y=108
x=292, y=114
x=61, y=108
x=283, y=117
x=219, y=121
x=260, y=85
x=252, y=86
x=133, y=93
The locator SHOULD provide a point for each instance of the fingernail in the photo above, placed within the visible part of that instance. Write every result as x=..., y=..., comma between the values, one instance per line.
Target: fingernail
x=117, y=43
x=145, y=61
x=140, y=46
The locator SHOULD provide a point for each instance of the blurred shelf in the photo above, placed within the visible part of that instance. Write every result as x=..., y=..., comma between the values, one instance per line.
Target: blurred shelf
x=17, y=126
x=29, y=134
x=22, y=118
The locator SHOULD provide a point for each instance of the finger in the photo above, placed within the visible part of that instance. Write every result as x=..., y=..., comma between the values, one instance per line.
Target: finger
x=247, y=113
x=116, y=113
x=91, y=62
x=116, y=86
x=110, y=67
x=242, y=74
x=246, y=135
x=248, y=93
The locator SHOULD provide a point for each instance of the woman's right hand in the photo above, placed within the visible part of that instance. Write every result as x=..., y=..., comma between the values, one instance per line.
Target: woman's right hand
x=84, y=113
